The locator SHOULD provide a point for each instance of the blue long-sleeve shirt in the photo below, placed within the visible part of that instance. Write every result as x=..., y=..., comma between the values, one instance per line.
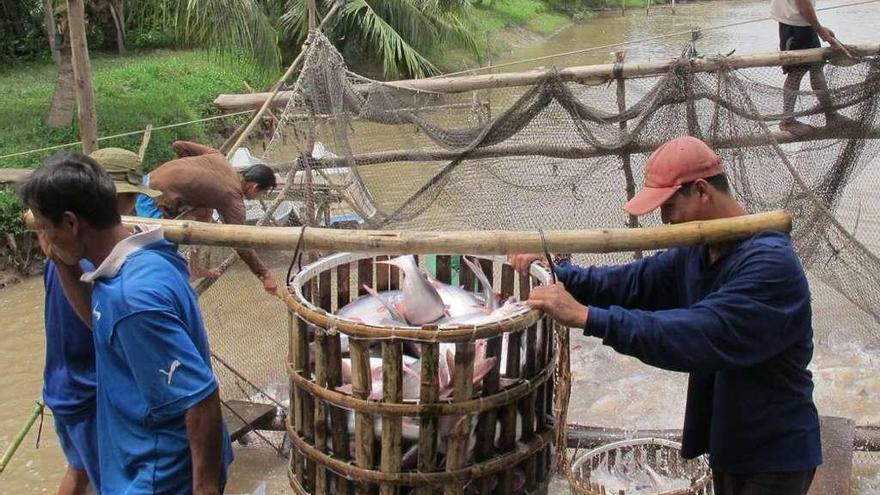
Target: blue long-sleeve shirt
x=742, y=327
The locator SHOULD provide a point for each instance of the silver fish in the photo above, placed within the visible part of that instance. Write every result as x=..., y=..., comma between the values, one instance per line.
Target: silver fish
x=420, y=303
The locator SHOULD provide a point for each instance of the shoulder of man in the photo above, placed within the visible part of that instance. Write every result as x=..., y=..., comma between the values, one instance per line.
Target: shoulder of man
x=775, y=250
x=154, y=277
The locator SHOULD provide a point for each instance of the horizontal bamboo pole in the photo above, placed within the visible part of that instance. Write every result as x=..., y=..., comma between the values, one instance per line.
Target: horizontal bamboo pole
x=583, y=152
x=466, y=241
x=584, y=73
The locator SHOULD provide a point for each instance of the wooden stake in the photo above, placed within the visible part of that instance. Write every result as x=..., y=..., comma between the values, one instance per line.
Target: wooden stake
x=145, y=141
x=82, y=70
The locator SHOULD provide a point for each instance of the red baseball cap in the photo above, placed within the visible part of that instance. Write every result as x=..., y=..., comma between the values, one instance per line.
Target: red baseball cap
x=676, y=162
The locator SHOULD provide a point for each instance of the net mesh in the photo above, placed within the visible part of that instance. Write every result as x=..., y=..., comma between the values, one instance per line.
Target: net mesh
x=560, y=155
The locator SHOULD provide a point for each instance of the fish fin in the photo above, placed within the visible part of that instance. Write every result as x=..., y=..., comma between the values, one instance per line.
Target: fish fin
x=507, y=382
x=481, y=369
x=391, y=309
x=490, y=300
x=401, y=310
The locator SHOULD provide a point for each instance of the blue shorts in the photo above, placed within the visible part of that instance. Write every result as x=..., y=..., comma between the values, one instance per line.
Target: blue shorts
x=79, y=441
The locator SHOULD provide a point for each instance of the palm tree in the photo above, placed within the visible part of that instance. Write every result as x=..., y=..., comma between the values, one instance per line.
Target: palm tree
x=397, y=34
x=228, y=27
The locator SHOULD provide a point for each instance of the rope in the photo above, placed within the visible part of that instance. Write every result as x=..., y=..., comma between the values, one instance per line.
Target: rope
x=125, y=134
x=632, y=42
x=239, y=375
x=250, y=425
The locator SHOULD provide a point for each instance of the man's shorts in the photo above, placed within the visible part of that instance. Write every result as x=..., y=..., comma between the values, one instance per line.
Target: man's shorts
x=797, y=38
x=79, y=441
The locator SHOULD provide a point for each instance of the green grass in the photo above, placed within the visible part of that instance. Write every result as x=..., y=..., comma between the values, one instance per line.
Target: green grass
x=490, y=20
x=158, y=87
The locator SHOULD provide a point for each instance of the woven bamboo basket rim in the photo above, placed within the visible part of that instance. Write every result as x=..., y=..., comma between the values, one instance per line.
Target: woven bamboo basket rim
x=296, y=301
x=421, y=409
x=523, y=451
x=578, y=486
x=298, y=489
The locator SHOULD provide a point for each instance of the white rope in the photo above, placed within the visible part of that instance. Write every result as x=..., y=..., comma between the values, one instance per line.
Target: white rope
x=132, y=133
x=631, y=42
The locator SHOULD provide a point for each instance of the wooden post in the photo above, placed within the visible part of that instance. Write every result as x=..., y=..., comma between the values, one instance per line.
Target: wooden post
x=145, y=141
x=85, y=93
x=626, y=158
x=51, y=31
x=622, y=7
x=673, y=7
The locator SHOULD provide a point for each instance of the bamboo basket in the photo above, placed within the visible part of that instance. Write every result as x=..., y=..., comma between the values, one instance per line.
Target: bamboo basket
x=500, y=438
x=664, y=456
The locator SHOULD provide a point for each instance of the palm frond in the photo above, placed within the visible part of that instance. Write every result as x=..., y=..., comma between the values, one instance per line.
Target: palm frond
x=396, y=54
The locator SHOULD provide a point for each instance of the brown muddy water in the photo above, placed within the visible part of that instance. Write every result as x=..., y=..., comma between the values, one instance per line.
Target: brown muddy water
x=609, y=389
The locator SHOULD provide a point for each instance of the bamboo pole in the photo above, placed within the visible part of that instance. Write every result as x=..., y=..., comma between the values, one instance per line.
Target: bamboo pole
x=457, y=444
x=312, y=14
x=82, y=70
x=473, y=242
x=585, y=73
x=582, y=152
x=626, y=158
x=19, y=437
x=392, y=392
x=268, y=97
x=429, y=392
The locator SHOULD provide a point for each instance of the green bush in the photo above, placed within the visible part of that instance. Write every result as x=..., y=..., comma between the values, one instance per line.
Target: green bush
x=11, y=210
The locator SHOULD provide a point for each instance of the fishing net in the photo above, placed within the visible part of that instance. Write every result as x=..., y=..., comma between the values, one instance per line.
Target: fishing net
x=557, y=154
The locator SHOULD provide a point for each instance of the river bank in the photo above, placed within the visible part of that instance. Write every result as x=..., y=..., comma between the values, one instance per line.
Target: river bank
x=163, y=87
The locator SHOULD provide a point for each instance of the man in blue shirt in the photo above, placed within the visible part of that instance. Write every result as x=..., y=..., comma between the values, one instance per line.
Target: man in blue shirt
x=69, y=388
x=159, y=424
x=735, y=316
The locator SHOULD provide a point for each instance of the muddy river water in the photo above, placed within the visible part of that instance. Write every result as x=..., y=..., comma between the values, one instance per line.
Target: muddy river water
x=625, y=393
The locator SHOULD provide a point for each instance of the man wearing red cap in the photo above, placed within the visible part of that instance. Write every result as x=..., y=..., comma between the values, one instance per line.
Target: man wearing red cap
x=735, y=316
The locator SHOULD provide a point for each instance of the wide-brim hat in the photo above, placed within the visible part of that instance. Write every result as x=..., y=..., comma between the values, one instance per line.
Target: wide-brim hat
x=126, y=170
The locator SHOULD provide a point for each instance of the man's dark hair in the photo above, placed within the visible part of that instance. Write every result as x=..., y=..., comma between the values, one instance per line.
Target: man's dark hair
x=719, y=182
x=72, y=182
x=261, y=175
